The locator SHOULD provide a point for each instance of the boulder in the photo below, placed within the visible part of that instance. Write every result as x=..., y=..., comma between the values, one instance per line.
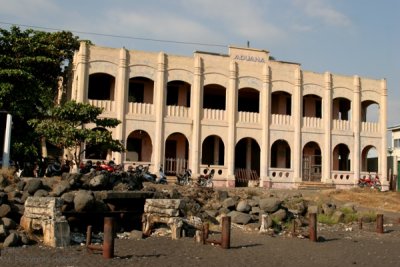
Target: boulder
x=4, y=210
x=279, y=215
x=11, y=240
x=338, y=216
x=221, y=195
x=8, y=223
x=239, y=217
x=3, y=198
x=83, y=200
x=41, y=193
x=243, y=206
x=296, y=205
x=33, y=185
x=270, y=205
x=229, y=203
x=98, y=181
x=3, y=232
x=61, y=188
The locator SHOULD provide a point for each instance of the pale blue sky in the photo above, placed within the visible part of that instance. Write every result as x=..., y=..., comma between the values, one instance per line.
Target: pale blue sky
x=348, y=37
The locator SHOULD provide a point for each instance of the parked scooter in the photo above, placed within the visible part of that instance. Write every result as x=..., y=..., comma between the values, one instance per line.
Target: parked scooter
x=185, y=178
x=162, y=179
x=206, y=180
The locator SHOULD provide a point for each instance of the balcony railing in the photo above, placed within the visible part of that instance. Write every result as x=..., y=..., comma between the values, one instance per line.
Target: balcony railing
x=312, y=122
x=140, y=108
x=107, y=105
x=249, y=117
x=341, y=125
x=281, y=119
x=178, y=111
x=371, y=127
x=214, y=114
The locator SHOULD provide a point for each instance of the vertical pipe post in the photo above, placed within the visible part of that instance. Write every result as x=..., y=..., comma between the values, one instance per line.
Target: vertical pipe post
x=360, y=223
x=89, y=235
x=379, y=223
x=206, y=228
x=313, y=227
x=108, y=242
x=226, y=232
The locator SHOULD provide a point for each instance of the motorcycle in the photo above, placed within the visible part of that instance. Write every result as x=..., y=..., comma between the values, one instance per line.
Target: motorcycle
x=185, y=178
x=206, y=180
x=162, y=179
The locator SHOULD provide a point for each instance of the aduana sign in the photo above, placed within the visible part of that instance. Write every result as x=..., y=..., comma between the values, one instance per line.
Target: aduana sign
x=250, y=58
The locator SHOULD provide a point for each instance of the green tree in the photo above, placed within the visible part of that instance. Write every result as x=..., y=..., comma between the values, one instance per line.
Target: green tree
x=31, y=63
x=64, y=127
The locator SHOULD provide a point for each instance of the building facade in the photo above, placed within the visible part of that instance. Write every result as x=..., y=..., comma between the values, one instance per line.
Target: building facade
x=242, y=114
x=394, y=151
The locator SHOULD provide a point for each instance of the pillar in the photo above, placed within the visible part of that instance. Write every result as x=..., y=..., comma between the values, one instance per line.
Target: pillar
x=297, y=120
x=265, y=121
x=231, y=109
x=356, y=128
x=159, y=106
x=327, y=119
x=197, y=108
x=383, y=130
x=80, y=90
x=121, y=96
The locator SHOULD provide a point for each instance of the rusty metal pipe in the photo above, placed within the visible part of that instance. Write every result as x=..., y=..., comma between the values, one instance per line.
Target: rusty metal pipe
x=89, y=235
x=313, y=226
x=226, y=232
x=206, y=228
x=94, y=247
x=108, y=241
x=360, y=223
x=379, y=223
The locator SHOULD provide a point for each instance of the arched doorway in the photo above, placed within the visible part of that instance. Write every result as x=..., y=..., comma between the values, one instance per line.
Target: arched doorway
x=369, y=159
x=341, y=160
x=247, y=161
x=312, y=160
x=139, y=146
x=212, y=151
x=176, y=154
x=280, y=154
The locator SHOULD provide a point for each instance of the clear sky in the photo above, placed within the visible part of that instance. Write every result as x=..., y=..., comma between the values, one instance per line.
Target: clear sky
x=347, y=37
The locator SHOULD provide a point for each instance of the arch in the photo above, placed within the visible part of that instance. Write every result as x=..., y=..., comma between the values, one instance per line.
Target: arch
x=101, y=86
x=280, y=154
x=214, y=96
x=213, y=151
x=249, y=100
x=141, y=90
x=176, y=153
x=369, y=111
x=312, y=106
x=247, y=161
x=281, y=103
x=341, y=158
x=178, y=93
x=139, y=146
x=97, y=151
x=312, y=160
x=341, y=109
x=369, y=159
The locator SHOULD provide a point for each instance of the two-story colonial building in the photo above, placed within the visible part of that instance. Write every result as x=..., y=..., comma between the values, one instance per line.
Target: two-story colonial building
x=243, y=114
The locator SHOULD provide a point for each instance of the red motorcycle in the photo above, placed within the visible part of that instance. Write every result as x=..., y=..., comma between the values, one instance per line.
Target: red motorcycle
x=371, y=182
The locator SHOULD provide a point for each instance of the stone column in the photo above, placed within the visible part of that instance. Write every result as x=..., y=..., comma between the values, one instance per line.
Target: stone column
x=297, y=120
x=197, y=108
x=231, y=109
x=82, y=74
x=356, y=129
x=265, y=121
x=121, y=96
x=383, y=130
x=159, y=107
x=327, y=119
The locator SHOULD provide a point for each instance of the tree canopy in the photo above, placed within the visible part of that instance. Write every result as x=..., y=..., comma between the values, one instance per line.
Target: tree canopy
x=31, y=63
x=64, y=127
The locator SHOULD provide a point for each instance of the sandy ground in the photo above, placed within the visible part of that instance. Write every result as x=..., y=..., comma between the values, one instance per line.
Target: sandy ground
x=339, y=245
